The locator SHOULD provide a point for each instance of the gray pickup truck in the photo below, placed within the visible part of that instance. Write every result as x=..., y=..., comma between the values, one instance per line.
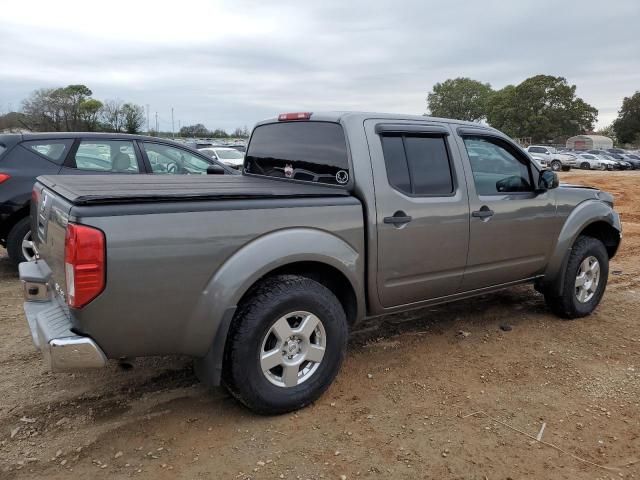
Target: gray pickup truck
x=337, y=217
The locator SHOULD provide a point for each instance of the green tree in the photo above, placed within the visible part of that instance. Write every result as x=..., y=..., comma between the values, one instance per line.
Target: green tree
x=460, y=98
x=89, y=111
x=133, y=117
x=542, y=107
x=627, y=125
x=197, y=130
x=219, y=133
x=70, y=99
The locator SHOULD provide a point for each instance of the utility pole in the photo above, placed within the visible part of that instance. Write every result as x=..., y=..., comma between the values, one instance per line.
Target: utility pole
x=173, y=132
x=157, y=130
x=148, y=129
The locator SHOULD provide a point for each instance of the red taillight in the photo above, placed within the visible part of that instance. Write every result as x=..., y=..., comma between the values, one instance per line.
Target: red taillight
x=4, y=177
x=84, y=264
x=294, y=116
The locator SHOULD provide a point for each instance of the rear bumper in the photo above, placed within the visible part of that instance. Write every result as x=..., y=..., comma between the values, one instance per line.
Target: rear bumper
x=50, y=324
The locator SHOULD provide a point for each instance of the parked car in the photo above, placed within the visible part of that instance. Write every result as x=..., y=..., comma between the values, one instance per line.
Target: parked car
x=587, y=161
x=609, y=163
x=617, y=151
x=261, y=276
x=229, y=156
x=618, y=164
x=633, y=159
x=557, y=161
x=24, y=157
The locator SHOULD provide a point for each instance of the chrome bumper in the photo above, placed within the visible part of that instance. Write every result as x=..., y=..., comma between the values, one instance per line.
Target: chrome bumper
x=50, y=324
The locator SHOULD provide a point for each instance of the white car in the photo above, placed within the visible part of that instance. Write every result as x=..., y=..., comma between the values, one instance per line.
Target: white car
x=557, y=161
x=587, y=161
x=229, y=156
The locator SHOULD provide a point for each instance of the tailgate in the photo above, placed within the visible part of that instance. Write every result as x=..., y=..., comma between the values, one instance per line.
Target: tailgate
x=49, y=217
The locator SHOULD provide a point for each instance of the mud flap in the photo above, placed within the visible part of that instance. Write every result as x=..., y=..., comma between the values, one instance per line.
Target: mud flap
x=208, y=369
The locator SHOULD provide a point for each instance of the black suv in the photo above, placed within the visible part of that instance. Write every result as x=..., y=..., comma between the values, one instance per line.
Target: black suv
x=26, y=156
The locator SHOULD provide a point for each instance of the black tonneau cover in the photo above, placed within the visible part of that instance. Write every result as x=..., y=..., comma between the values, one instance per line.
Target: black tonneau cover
x=101, y=189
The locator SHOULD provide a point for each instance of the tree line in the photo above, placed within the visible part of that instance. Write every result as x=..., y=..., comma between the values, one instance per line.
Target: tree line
x=73, y=109
x=543, y=107
x=200, y=131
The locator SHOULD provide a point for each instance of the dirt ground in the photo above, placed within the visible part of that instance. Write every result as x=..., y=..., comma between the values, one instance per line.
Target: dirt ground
x=402, y=406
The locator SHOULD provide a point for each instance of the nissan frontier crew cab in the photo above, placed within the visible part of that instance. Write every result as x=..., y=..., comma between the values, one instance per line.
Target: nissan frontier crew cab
x=336, y=217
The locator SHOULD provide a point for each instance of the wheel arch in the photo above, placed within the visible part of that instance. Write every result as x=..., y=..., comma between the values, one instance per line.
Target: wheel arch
x=316, y=254
x=593, y=218
x=12, y=219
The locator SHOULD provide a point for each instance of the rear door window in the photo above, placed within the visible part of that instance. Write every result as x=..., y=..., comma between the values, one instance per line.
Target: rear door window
x=116, y=156
x=308, y=151
x=53, y=150
x=418, y=165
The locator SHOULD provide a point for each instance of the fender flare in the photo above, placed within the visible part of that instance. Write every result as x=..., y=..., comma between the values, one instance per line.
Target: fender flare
x=207, y=327
x=585, y=214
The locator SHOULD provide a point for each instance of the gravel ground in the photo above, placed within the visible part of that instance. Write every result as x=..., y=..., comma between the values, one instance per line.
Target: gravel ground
x=439, y=393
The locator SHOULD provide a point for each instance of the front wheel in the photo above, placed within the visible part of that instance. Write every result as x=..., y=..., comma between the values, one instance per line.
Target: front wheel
x=556, y=165
x=585, y=280
x=285, y=345
x=20, y=243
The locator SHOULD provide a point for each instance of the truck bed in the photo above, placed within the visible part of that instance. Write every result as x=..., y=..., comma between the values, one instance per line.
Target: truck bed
x=101, y=189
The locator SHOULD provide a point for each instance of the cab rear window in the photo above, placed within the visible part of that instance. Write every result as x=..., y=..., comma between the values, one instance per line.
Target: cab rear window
x=308, y=151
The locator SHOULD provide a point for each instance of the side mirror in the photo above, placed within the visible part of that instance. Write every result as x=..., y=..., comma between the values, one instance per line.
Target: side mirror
x=215, y=170
x=547, y=180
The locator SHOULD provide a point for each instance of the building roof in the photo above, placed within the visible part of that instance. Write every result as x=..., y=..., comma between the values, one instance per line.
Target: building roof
x=599, y=138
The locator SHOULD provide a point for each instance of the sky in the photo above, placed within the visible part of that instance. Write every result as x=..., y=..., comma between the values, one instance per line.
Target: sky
x=232, y=63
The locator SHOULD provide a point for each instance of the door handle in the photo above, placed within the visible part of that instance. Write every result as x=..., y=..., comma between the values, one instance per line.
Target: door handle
x=399, y=218
x=484, y=212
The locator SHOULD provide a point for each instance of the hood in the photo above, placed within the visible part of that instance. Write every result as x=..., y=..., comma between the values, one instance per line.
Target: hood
x=582, y=192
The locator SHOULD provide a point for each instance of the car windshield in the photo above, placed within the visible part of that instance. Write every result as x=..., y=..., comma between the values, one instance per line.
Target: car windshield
x=229, y=154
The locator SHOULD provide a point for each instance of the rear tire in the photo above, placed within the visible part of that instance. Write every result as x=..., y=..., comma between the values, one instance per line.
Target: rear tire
x=585, y=166
x=582, y=289
x=265, y=331
x=18, y=235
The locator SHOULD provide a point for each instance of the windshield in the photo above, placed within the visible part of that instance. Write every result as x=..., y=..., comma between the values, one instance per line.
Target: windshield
x=309, y=151
x=229, y=154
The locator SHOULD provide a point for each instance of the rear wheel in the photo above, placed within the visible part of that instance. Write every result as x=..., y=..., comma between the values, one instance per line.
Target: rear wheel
x=20, y=243
x=556, y=165
x=585, y=166
x=285, y=346
x=585, y=280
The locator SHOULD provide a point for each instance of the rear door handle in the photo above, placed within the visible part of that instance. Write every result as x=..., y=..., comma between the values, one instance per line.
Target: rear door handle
x=399, y=218
x=484, y=212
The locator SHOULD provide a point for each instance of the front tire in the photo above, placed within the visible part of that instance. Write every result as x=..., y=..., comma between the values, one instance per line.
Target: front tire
x=285, y=346
x=19, y=242
x=585, y=280
x=556, y=165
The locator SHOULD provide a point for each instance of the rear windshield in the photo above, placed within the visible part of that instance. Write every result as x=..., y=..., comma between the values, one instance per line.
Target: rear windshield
x=308, y=151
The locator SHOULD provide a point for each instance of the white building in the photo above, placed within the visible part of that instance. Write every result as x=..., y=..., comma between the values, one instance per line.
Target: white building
x=589, y=142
